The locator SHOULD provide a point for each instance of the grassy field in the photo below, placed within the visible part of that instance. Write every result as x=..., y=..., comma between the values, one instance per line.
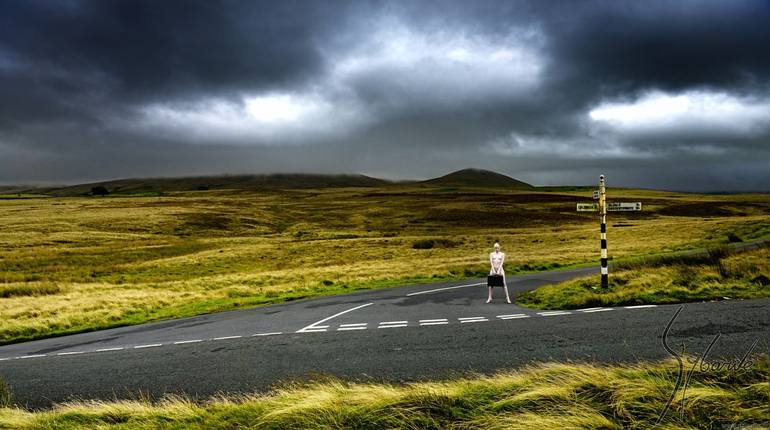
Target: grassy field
x=719, y=274
x=70, y=264
x=543, y=396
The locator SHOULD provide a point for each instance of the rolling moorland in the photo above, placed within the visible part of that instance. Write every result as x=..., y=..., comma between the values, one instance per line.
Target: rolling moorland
x=167, y=248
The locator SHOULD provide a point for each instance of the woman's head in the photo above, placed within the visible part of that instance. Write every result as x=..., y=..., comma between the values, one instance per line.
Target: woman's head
x=497, y=246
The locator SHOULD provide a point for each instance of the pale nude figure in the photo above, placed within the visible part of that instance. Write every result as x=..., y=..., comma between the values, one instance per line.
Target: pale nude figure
x=496, y=259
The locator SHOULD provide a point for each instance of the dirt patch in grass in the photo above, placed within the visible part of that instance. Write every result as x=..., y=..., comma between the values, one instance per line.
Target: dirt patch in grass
x=695, y=210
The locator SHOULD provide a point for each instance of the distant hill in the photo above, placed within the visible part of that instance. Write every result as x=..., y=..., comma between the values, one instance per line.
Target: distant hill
x=151, y=186
x=242, y=182
x=477, y=178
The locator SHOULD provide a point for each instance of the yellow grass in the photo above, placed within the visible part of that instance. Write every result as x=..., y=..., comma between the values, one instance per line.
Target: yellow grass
x=81, y=263
x=543, y=396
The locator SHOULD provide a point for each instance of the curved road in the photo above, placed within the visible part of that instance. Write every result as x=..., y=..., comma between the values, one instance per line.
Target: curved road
x=398, y=334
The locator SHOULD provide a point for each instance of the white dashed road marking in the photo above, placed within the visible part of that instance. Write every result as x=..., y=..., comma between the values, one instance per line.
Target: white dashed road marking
x=472, y=319
x=227, y=337
x=445, y=288
x=588, y=311
x=182, y=342
x=512, y=316
x=438, y=321
x=316, y=324
x=318, y=328
x=151, y=345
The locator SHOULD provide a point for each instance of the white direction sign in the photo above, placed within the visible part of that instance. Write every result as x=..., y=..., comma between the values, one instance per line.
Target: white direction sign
x=611, y=207
x=623, y=207
x=596, y=195
x=587, y=207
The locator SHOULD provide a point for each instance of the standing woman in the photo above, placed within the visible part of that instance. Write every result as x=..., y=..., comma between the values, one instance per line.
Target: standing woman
x=496, y=259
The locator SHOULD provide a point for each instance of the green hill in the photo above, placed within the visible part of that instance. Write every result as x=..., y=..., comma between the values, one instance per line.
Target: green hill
x=241, y=182
x=477, y=178
x=154, y=186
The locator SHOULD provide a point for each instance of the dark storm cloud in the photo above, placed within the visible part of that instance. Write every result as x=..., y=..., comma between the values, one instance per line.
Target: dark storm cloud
x=548, y=92
x=165, y=49
x=624, y=46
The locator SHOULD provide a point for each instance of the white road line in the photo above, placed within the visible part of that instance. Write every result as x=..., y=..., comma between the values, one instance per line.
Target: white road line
x=589, y=311
x=353, y=325
x=551, y=314
x=315, y=324
x=473, y=321
x=392, y=325
x=150, y=345
x=445, y=288
x=6, y=358
x=267, y=334
x=434, y=320
x=109, y=349
x=32, y=356
x=513, y=317
x=435, y=323
x=182, y=342
x=70, y=353
x=227, y=337
x=393, y=322
x=351, y=328
x=640, y=306
x=471, y=318
x=312, y=330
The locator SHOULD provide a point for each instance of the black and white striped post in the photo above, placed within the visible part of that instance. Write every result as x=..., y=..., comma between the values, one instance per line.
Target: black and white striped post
x=603, y=231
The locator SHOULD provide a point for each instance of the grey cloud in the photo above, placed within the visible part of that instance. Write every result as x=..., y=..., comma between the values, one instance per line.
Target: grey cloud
x=70, y=71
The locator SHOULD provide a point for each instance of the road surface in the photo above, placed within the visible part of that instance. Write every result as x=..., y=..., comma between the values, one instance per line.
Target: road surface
x=399, y=334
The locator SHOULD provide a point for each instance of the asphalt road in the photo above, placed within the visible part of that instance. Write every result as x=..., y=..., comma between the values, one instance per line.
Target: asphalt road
x=400, y=334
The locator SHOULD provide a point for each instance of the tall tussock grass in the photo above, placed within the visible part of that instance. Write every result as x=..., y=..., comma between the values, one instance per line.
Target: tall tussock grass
x=717, y=274
x=541, y=396
x=30, y=289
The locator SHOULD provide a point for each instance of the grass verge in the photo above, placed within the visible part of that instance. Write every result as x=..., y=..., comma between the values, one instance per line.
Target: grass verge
x=543, y=396
x=719, y=274
x=75, y=264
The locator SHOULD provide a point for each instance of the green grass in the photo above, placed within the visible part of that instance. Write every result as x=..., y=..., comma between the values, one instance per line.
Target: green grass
x=718, y=274
x=541, y=396
x=72, y=264
x=22, y=196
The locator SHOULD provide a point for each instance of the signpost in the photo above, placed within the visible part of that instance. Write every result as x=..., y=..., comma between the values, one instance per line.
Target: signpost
x=623, y=207
x=603, y=207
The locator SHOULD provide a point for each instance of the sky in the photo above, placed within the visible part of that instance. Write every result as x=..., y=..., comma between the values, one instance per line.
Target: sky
x=655, y=93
